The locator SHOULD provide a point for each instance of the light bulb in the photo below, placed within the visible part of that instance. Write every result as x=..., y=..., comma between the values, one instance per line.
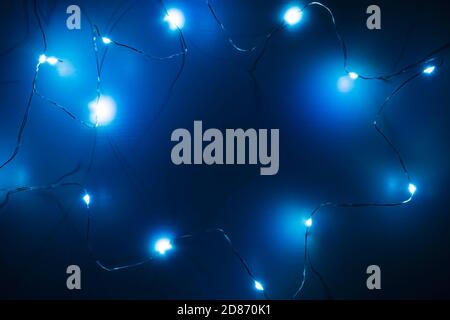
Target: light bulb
x=102, y=111
x=52, y=60
x=163, y=245
x=353, y=75
x=412, y=189
x=42, y=58
x=259, y=286
x=175, y=19
x=293, y=16
x=87, y=199
x=429, y=70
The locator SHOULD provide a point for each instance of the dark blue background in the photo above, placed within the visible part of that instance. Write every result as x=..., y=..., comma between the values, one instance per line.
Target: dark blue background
x=329, y=151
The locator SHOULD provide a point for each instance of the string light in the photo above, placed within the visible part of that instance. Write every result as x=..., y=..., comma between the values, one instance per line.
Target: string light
x=103, y=110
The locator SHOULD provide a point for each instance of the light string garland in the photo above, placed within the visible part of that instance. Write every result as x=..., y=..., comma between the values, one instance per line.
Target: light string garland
x=423, y=67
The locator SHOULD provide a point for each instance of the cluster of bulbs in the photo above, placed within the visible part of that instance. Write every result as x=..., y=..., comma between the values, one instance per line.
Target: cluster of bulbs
x=104, y=108
x=50, y=60
x=292, y=16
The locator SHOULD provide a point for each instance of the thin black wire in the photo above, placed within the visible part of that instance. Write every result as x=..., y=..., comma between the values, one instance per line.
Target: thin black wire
x=184, y=49
x=222, y=26
x=38, y=18
x=122, y=14
x=321, y=279
x=11, y=192
x=113, y=26
x=182, y=54
x=58, y=183
x=139, y=186
x=146, y=54
x=24, y=121
x=305, y=258
x=115, y=149
x=65, y=110
x=236, y=253
x=30, y=98
x=267, y=39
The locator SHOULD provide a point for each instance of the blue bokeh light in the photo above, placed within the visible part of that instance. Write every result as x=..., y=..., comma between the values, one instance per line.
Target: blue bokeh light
x=412, y=189
x=103, y=111
x=259, y=286
x=163, y=245
x=106, y=40
x=87, y=199
x=429, y=70
x=293, y=16
x=175, y=19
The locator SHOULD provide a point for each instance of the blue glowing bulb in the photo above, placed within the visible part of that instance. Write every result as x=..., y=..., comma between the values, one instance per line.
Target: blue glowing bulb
x=87, y=199
x=353, y=75
x=163, y=245
x=106, y=40
x=412, y=189
x=175, y=19
x=52, y=60
x=429, y=70
x=293, y=16
x=42, y=58
x=102, y=111
x=259, y=286
x=308, y=223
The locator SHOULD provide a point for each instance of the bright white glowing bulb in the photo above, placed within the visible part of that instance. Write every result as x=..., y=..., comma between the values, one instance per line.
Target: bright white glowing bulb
x=429, y=70
x=103, y=111
x=175, y=19
x=52, y=60
x=259, y=286
x=293, y=16
x=353, y=75
x=308, y=223
x=42, y=58
x=163, y=245
x=87, y=199
x=412, y=189
x=106, y=40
